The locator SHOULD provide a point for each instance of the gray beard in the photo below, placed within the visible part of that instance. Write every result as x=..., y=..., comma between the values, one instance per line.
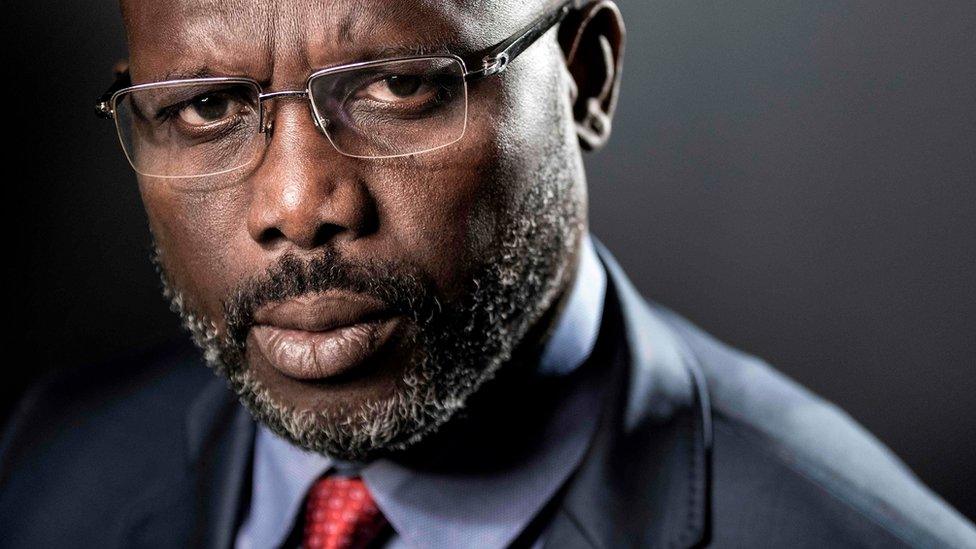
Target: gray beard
x=462, y=345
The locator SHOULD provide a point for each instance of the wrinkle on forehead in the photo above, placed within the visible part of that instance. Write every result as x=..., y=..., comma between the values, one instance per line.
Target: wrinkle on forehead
x=259, y=38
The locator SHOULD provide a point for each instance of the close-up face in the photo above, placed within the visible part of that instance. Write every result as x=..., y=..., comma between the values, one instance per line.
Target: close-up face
x=355, y=299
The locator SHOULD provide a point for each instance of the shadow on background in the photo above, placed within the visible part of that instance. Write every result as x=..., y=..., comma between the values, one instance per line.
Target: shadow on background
x=799, y=178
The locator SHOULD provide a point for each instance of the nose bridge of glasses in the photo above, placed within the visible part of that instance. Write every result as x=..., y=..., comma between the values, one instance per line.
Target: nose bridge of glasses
x=266, y=122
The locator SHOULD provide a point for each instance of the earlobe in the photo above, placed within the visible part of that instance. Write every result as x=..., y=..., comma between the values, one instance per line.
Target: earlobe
x=592, y=40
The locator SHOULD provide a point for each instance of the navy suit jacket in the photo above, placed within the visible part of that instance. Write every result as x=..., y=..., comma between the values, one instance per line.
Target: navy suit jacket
x=698, y=445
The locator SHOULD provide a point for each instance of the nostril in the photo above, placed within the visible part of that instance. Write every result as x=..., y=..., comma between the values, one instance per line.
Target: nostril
x=275, y=236
x=326, y=233
x=270, y=236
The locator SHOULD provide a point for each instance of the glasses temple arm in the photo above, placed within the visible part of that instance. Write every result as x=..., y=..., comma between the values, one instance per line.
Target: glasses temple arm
x=496, y=59
x=103, y=107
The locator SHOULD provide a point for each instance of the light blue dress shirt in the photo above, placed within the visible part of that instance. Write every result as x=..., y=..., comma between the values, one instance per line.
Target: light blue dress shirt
x=433, y=511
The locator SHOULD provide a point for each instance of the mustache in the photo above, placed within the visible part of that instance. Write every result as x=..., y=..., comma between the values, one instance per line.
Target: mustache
x=403, y=289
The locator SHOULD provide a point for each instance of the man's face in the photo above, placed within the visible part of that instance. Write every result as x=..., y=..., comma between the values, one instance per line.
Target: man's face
x=354, y=303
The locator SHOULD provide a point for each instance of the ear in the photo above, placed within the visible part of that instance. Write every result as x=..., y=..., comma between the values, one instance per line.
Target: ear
x=592, y=39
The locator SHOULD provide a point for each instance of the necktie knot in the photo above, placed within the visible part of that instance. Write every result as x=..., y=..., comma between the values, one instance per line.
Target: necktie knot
x=340, y=514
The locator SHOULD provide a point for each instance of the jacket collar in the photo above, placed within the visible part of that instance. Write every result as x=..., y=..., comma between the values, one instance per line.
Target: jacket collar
x=646, y=478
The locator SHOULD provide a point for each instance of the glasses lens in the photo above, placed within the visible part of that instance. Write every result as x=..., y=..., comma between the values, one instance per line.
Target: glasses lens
x=392, y=108
x=189, y=130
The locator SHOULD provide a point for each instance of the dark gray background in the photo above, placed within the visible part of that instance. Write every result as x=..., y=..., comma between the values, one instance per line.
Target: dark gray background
x=799, y=178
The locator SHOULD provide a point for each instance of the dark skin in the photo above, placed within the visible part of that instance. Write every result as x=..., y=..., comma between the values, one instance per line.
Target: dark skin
x=436, y=211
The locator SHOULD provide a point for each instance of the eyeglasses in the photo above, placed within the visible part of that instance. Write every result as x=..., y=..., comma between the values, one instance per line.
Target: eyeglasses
x=385, y=108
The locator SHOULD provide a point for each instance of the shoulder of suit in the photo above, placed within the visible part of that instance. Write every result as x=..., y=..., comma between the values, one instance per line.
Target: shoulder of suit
x=786, y=458
x=89, y=437
x=138, y=394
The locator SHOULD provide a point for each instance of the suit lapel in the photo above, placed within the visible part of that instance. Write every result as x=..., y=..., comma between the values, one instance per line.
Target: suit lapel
x=221, y=441
x=644, y=481
x=200, y=506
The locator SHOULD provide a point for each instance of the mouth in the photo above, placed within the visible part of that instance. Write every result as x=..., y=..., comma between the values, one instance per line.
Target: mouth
x=323, y=336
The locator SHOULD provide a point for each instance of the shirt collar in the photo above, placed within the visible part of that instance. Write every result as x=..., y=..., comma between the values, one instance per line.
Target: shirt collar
x=575, y=333
x=282, y=475
x=440, y=510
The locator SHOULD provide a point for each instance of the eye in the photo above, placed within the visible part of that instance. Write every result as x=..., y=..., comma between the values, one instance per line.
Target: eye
x=398, y=87
x=209, y=108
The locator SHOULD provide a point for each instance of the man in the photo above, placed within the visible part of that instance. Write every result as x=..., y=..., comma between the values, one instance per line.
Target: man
x=371, y=217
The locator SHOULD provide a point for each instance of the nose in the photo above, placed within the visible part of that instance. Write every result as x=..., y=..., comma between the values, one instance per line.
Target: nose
x=305, y=193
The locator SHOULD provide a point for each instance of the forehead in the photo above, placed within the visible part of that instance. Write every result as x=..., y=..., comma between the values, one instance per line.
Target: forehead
x=270, y=40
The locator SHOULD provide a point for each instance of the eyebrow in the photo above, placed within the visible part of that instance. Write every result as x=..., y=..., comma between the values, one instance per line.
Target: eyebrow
x=366, y=54
x=188, y=74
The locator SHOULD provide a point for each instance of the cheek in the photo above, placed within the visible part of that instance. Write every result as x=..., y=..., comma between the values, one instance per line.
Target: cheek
x=444, y=210
x=440, y=210
x=198, y=236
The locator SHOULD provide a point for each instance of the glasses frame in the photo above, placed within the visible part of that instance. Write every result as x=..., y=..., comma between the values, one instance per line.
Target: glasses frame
x=490, y=62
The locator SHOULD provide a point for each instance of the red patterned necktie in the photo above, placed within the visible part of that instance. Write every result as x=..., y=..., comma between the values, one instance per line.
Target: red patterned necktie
x=340, y=514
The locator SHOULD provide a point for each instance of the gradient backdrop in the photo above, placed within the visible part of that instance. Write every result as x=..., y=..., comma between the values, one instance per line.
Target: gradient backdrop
x=797, y=177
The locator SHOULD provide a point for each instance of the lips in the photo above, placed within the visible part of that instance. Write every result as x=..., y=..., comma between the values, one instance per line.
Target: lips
x=324, y=335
